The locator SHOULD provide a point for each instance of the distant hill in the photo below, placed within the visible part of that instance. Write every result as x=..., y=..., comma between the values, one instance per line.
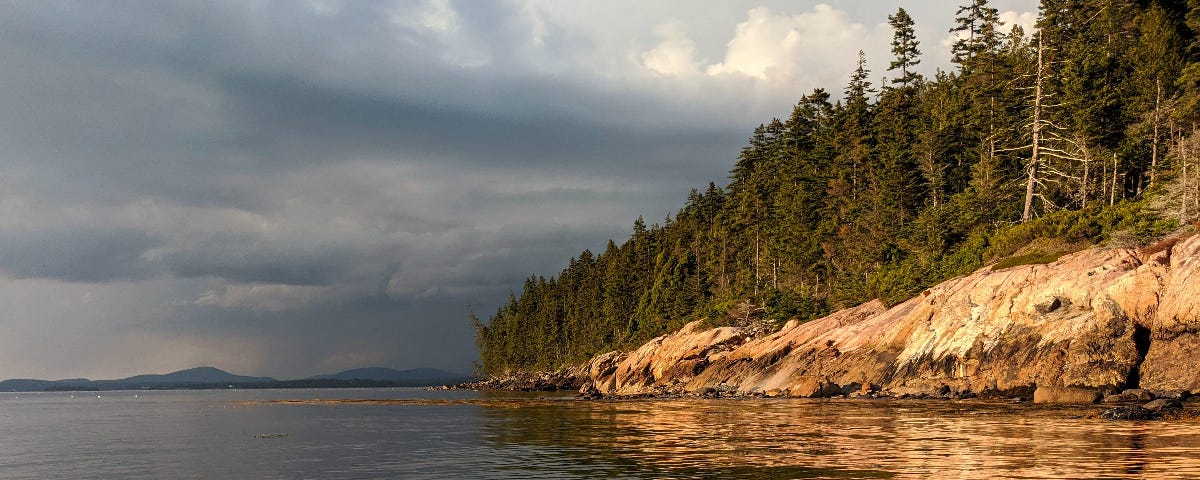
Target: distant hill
x=26, y=385
x=408, y=378
x=211, y=378
x=196, y=375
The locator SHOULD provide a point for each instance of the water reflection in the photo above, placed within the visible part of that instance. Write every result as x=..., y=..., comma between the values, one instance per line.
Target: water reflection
x=844, y=439
x=415, y=434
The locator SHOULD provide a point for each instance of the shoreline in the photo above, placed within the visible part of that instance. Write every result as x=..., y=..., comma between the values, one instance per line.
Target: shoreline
x=1129, y=404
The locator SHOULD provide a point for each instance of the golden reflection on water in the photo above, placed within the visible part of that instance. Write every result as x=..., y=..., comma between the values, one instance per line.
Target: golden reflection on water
x=806, y=438
x=793, y=438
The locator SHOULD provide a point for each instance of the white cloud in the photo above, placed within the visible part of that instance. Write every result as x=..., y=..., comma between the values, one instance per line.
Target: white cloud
x=438, y=22
x=536, y=21
x=1026, y=20
x=775, y=46
x=438, y=15
x=674, y=55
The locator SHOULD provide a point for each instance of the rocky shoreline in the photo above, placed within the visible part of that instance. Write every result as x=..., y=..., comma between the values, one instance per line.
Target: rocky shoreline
x=568, y=379
x=1094, y=322
x=1120, y=326
x=1131, y=404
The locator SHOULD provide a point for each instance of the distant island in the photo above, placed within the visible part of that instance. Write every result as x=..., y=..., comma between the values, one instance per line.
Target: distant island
x=207, y=378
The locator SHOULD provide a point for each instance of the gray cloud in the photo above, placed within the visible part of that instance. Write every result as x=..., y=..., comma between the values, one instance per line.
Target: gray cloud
x=245, y=259
x=77, y=254
x=300, y=187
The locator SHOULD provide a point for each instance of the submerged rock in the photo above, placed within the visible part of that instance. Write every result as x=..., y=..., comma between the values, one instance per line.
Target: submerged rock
x=1130, y=412
x=1097, y=320
x=1153, y=410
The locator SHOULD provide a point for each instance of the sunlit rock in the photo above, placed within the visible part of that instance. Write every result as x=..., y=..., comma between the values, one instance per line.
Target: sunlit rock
x=1097, y=321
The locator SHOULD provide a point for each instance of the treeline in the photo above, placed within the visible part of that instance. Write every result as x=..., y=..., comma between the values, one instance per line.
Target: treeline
x=1071, y=133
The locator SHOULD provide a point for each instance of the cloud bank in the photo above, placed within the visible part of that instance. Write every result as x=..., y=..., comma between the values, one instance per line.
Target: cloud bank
x=287, y=189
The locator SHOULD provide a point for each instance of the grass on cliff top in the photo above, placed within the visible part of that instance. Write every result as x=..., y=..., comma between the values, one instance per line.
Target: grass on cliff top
x=1043, y=250
x=1042, y=240
x=1029, y=259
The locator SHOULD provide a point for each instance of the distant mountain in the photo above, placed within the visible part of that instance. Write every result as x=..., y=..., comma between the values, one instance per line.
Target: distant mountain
x=200, y=377
x=408, y=378
x=25, y=385
x=196, y=375
x=209, y=378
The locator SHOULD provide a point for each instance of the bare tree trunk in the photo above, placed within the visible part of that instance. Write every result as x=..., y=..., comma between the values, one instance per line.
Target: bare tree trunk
x=1188, y=157
x=1083, y=186
x=756, y=275
x=1183, y=205
x=724, y=244
x=1112, y=193
x=1032, y=170
x=1154, y=141
x=854, y=179
x=1184, y=158
x=1191, y=156
x=937, y=185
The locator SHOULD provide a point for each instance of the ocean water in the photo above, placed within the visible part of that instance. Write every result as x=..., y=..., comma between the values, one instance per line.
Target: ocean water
x=411, y=433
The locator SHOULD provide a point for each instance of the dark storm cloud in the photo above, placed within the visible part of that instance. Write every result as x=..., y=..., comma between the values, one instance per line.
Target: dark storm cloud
x=317, y=185
x=77, y=254
x=189, y=105
x=167, y=98
x=248, y=259
x=239, y=152
x=298, y=121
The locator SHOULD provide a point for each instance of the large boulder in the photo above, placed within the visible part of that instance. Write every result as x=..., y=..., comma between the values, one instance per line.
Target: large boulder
x=1173, y=359
x=1065, y=395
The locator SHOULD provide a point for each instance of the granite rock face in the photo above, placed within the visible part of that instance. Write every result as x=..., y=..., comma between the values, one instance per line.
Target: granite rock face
x=1100, y=320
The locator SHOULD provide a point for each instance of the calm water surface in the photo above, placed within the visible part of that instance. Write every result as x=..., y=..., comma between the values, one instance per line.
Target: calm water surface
x=468, y=435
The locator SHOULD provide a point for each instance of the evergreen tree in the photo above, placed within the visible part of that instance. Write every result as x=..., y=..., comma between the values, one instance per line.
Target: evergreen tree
x=905, y=53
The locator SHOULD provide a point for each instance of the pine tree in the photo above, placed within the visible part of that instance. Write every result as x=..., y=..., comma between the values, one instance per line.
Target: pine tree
x=905, y=53
x=977, y=28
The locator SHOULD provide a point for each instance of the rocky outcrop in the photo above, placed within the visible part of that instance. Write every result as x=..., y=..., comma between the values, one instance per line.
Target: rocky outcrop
x=1096, y=321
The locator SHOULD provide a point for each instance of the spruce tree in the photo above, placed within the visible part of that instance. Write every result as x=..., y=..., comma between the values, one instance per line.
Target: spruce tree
x=905, y=53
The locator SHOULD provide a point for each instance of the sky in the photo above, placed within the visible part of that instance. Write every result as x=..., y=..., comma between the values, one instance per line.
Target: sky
x=288, y=188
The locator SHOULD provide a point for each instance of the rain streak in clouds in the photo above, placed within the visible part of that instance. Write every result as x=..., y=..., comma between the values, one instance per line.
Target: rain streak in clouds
x=291, y=188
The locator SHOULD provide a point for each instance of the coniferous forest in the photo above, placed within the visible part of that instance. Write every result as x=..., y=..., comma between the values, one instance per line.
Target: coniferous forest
x=1036, y=144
